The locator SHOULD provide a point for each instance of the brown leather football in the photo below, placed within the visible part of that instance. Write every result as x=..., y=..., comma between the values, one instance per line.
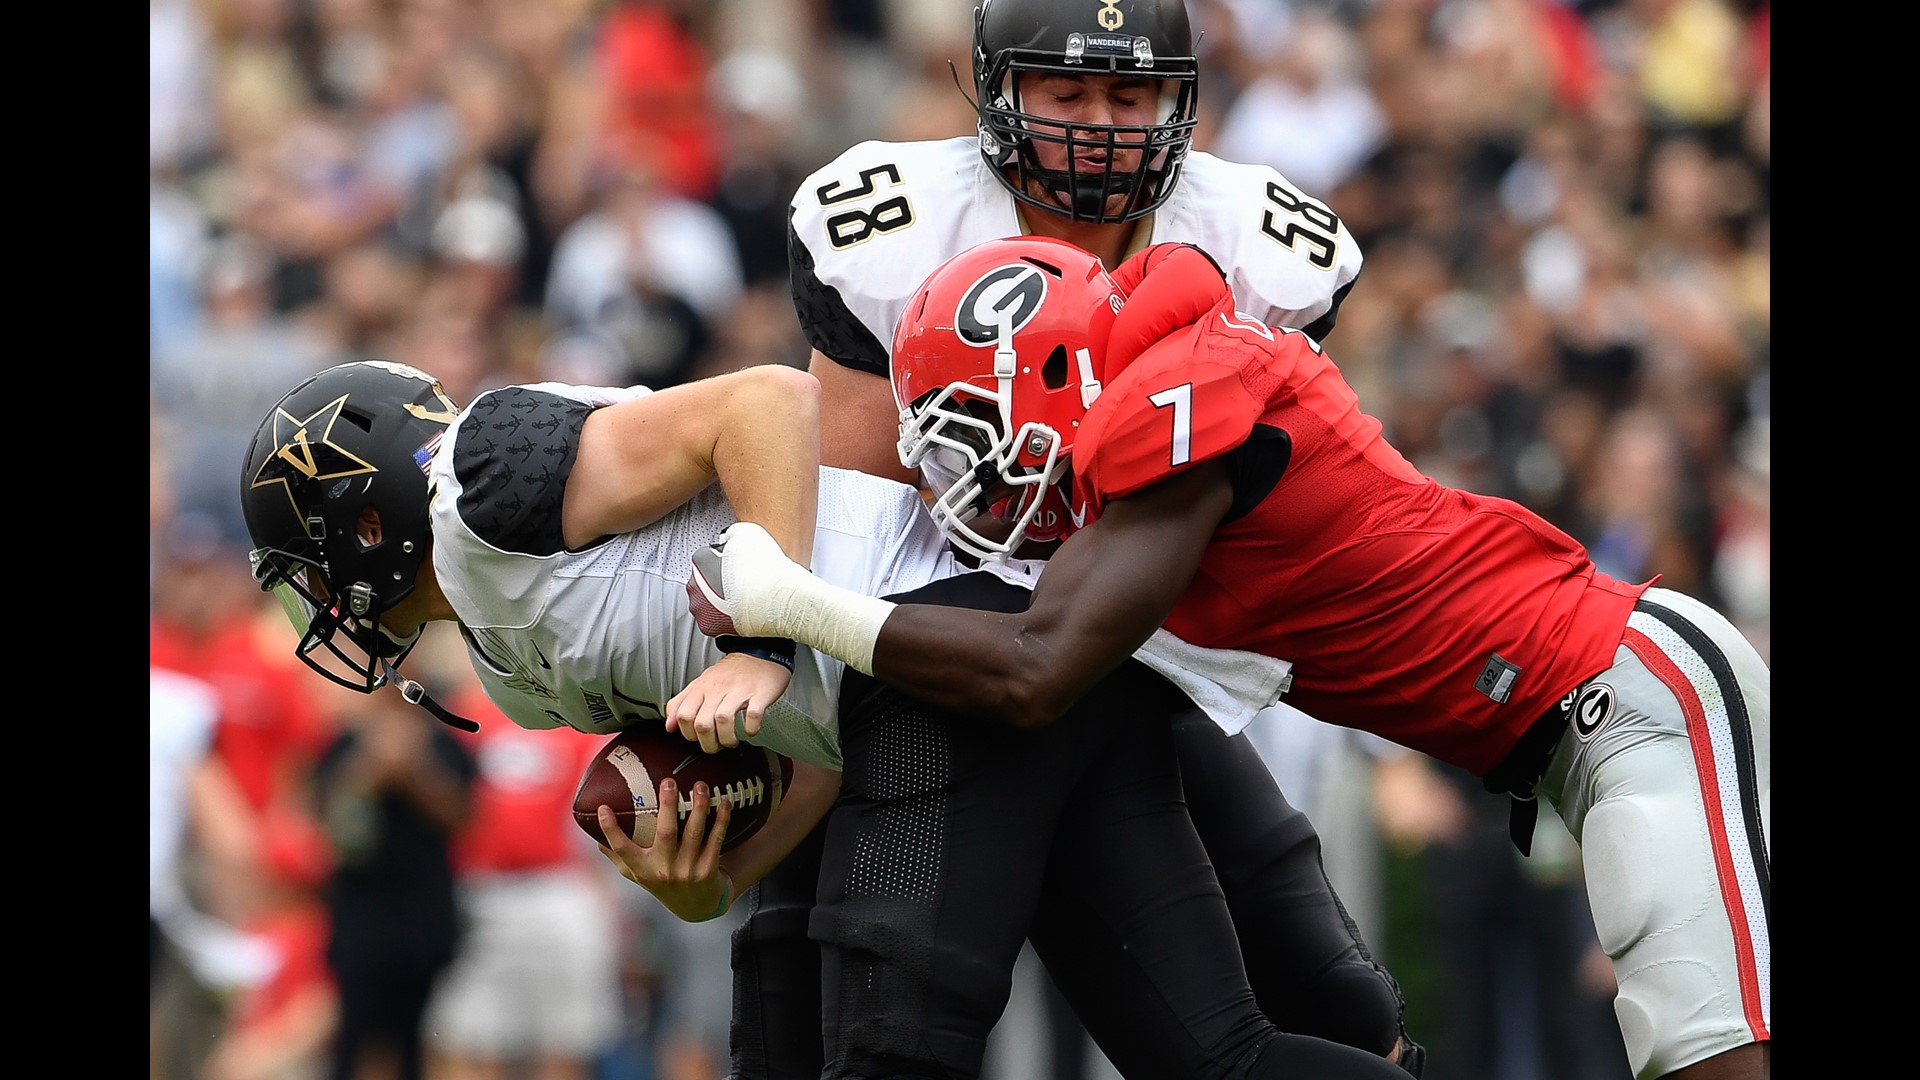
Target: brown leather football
x=625, y=774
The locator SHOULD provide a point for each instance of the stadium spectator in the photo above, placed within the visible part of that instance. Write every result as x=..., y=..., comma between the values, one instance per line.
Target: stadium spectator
x=241, y=899
x=658, y=113
x=1309, y=112
x=194, y=806
x=391, y=792
x=652, y=270
x=205, y=622
x=284, y=1025
x=534, y=988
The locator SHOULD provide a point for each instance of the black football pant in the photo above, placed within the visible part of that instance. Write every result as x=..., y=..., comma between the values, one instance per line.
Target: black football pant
x=775, y=1030
x=1311, y=972
x=954, y=840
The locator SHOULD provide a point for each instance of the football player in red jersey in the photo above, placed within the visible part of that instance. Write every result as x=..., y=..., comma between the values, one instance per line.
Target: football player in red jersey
x=1086, y=116
x=1224, y=482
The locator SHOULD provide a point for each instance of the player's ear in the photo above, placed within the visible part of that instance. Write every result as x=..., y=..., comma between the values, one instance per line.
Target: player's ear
x=367, y=528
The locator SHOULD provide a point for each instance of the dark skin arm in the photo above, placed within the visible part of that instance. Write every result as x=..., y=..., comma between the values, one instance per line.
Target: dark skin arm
x=1103, y=594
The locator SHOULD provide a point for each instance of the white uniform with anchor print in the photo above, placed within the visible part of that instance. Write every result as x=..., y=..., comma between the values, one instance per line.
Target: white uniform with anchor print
x=600, y=639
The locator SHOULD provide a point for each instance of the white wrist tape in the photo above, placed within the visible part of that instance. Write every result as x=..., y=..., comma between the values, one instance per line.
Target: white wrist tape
x=836, y=621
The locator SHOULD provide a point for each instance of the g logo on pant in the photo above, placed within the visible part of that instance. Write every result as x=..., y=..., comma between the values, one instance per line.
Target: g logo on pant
x=1591, y=709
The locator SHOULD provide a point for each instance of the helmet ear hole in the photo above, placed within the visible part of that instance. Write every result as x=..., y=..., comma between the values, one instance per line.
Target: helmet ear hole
x=367, y=528
x=1053, y=374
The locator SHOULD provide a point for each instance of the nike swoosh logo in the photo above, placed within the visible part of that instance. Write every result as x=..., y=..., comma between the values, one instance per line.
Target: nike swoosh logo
x=1079, y=516
x=542, y=656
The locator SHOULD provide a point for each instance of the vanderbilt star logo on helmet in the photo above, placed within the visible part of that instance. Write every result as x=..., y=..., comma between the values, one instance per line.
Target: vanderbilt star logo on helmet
x=299, y=457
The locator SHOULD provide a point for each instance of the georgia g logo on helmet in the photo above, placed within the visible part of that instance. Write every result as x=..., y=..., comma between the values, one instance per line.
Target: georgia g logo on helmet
x=1007, y=296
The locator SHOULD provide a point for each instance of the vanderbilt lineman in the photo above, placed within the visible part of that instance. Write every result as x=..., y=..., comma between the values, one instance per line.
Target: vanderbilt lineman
x=1068, y=95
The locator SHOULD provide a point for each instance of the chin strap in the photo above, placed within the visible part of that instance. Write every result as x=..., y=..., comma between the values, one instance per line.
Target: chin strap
x=417, y=694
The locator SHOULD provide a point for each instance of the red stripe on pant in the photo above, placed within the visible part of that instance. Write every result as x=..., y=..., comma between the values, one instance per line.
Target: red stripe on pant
x=1668, y=672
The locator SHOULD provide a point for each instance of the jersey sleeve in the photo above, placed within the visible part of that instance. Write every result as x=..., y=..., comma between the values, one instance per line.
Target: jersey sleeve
x=831, y=328
x=513, y=451
x=864, y=230
x=1174, y=407
x=1289, y=256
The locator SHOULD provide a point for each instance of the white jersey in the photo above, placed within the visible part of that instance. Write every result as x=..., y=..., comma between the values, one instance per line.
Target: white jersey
x=184, y=712
x=599, y=639
x=870, y=226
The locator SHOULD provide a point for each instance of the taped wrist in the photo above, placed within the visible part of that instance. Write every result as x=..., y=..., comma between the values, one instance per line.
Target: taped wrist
x=839, y=622
x=777, y=649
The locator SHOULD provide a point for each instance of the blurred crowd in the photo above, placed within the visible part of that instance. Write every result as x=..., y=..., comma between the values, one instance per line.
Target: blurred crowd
x=1564, y=210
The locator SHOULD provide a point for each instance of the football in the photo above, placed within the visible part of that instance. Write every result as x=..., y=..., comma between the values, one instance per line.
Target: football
x=625, y=774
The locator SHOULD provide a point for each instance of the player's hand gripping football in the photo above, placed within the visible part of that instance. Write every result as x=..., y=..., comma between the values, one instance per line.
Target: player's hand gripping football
x=739, y=582
x=727, y=702
x=680, y=868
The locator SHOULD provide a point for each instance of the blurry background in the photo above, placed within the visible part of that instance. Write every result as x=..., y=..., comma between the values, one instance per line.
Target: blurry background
x=1564, y=209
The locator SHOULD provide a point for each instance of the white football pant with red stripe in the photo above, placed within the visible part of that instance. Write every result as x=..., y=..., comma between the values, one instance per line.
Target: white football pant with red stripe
x=1663, y=777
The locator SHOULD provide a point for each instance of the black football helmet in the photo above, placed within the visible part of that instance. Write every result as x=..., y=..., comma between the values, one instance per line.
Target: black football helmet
x=1147, y=38
x=352, y=439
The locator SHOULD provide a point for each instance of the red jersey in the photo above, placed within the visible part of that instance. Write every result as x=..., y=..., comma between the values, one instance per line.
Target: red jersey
x=270, y=729
x=523, y=797
x=1439, y=619
x=298, y=933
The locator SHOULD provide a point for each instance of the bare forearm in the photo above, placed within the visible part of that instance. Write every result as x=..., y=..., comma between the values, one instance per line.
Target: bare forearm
x=755, y=430
x=1102, y=595
x=767, y=456
x=859, y=421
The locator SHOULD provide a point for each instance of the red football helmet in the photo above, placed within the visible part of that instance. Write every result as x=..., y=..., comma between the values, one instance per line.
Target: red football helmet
x=995, y=360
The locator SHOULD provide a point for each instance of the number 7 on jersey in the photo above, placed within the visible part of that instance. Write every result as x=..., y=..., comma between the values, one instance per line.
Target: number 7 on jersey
x=1180, y=398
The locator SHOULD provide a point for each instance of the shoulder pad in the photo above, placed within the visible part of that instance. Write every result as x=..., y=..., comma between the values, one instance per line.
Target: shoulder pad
x=1183, y=401
x=866, y=229
x=1288, y=256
